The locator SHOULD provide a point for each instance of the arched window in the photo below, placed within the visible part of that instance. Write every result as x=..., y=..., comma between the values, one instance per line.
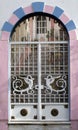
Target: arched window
x=41, y=24
x=39, y=70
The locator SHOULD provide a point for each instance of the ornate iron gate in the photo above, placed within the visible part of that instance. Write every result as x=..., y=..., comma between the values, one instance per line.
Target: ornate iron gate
x=39, y=81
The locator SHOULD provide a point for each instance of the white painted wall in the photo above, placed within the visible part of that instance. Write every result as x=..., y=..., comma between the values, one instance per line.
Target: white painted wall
x=7, y=7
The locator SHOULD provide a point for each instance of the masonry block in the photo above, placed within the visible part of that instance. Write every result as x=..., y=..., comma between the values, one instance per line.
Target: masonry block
x=57, y=12
x=7, y=27
x=38, y=6
x=19, y=13
x=70, y=25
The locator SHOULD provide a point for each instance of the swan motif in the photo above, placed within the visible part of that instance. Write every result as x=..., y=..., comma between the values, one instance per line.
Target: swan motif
x=21, y=84
x=56, y=84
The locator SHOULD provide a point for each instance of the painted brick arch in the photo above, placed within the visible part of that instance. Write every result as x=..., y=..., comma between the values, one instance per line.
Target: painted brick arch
x=38, y=7
x=6, y=31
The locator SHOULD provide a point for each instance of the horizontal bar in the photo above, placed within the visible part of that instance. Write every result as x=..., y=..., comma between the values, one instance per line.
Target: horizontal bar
x=47, y=122
x=40, y=42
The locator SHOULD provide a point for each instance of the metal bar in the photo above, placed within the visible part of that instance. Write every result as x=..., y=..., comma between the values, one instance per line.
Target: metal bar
x=39, y=81
x=29, y=42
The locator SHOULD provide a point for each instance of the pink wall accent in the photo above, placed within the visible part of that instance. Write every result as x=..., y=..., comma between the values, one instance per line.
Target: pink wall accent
x=64, y=18
x=28, y=10
x=48, y=9
x=3, y=125
x=3, y=80
x=74, y=125
x=13, y=19
x=5, y=35
x=74, y=79
x=72, y=35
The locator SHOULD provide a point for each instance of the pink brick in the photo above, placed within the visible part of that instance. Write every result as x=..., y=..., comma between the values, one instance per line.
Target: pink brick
x=28, y=10
x=13, y=19
x=64, y=18
x=4, y=79
x=5, y=35
x=48, y=9
x=72, y=35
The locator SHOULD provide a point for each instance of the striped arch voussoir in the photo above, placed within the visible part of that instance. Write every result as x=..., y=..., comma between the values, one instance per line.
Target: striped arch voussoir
x=38, y=7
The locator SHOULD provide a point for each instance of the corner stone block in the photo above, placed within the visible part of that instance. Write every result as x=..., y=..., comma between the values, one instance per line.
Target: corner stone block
x=7, y=27
x=57, y=12
x=70, y=25
x=38, y=6
x=19, y=13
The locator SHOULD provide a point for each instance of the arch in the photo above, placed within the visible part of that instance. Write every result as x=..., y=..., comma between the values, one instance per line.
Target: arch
x=71, y=28
x=38, y=7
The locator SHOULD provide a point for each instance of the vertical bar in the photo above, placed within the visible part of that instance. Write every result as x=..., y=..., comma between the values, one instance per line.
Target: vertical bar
x=54, y=59
x=49, y=59
x=19, y=61
x=28, y=59
x=63, y=59
x=33, y=58
x=19, y=34
x=14, y=59
x=59, y=59
x=24, y=59
x=45, y=57
x=15, y=36
x=39, y=81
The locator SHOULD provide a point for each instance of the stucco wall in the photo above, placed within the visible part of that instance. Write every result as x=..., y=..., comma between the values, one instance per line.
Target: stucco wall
x=70, y=8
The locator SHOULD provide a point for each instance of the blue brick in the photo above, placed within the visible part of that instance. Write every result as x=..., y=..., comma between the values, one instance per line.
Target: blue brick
x=7, y=27
x=19, y=13
x=70, y=25
x=38, y=6
x=57, y=12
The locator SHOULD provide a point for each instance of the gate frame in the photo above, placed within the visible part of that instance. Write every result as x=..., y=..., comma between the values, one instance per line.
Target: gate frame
x=73, y=53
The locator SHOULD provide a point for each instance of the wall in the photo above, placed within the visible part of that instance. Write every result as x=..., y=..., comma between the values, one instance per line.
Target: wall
x=5, y=14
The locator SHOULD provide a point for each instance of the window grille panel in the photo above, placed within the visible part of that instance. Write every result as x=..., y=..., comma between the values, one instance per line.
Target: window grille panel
x=23, y=64
x=26, y=73
x=54, y=63
x=39, y=89
x=39, y=28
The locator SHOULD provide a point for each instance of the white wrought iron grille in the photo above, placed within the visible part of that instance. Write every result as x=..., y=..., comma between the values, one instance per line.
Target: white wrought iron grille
x=39, y=74
x=39, y=89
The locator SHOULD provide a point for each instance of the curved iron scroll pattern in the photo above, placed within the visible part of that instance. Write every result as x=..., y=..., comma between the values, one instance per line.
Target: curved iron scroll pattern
x=22, y=84
x=56, y=84
x=25, y=84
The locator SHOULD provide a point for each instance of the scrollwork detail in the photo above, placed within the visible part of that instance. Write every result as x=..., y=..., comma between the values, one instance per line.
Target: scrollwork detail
x=22, y=84
x=56, y=84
